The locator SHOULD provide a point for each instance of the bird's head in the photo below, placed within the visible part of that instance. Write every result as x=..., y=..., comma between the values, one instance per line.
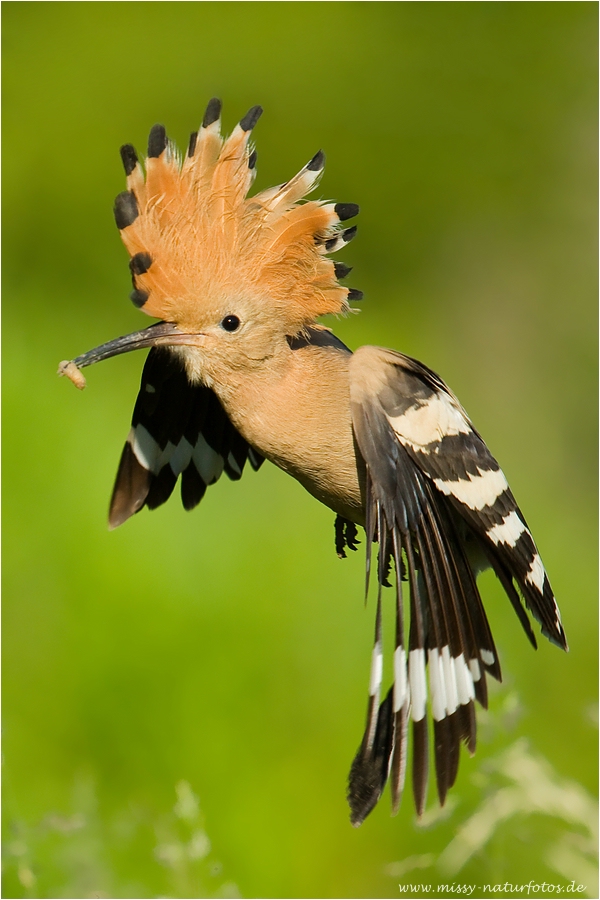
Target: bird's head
x=229, y=275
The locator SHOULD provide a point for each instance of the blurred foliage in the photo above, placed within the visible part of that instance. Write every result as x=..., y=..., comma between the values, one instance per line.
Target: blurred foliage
x=229, y=649
x=71, y=855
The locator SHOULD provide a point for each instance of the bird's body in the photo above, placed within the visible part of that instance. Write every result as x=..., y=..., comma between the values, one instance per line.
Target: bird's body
x=296, y=413
x=240, y=370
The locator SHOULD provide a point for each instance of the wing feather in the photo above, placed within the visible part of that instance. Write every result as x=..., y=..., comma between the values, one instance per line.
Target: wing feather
x=178, y=428
x=436, y=501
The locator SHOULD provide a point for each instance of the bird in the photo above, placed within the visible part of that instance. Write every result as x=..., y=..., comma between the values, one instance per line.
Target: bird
x=241, y=369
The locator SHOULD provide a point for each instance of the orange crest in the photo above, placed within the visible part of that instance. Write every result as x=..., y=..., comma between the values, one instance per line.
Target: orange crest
x=196, y=238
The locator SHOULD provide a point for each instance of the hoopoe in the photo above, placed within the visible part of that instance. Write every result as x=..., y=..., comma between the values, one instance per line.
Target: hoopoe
x=239, y=369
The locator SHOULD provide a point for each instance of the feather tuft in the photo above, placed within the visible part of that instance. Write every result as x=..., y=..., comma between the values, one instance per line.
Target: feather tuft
x=208, y=239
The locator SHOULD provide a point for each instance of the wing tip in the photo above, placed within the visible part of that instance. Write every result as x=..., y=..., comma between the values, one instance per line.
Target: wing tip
x=132, y=484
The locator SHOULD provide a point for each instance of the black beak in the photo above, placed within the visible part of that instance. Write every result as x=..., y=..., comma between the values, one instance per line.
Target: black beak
x=159, y=334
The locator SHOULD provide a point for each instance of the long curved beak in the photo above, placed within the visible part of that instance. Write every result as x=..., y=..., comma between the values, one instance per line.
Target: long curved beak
x=159, y=334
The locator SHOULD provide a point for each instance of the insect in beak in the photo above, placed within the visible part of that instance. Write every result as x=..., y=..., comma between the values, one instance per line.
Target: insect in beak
x=158, y=335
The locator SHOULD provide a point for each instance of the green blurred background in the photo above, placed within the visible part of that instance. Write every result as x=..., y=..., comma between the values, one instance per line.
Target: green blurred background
x=183, y=697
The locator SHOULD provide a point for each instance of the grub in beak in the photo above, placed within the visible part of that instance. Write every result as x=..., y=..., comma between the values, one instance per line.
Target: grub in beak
x=67, y=367
x=158, y=335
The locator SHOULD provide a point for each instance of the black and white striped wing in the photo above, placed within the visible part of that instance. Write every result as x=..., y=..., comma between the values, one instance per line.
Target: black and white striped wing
x=178, y=428
x=435, y=500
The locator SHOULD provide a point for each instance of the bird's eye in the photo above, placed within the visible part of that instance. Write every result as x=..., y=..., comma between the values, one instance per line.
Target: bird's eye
x=230, y=323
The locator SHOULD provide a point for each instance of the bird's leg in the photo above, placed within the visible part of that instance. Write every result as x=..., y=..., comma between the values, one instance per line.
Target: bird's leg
x=345, y=536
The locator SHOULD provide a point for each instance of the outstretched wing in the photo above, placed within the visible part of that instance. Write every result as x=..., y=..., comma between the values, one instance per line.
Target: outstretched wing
x=436, y=500
x=178, y=428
